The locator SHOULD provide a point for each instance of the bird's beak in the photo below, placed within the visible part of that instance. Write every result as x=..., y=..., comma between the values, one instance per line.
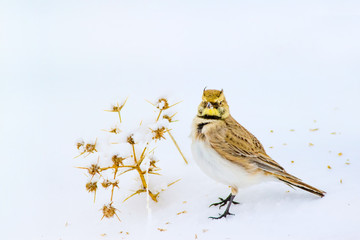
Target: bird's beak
x=209, y=105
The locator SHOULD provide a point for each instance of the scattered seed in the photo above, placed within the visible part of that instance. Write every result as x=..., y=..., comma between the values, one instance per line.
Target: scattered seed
x=181, y=212
x=162, y=229
x=340, y=154
x=313, y=129
x=329, y=167
x=311, y=144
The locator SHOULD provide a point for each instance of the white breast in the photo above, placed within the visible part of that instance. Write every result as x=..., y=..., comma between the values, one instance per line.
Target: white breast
x=223, y=170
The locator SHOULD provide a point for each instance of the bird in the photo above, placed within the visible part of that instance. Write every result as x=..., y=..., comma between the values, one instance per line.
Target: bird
x=228, y=153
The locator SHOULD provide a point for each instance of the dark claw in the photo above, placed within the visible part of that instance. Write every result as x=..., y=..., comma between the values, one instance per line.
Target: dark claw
x=229, y=200
x=225, y=214
x=223, y=202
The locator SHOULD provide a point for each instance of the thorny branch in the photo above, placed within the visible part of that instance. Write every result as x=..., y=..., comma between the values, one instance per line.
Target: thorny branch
x=132, y=162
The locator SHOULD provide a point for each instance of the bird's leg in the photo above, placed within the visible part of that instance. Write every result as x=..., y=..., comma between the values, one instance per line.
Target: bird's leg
x=223, y=202
x=229, y=199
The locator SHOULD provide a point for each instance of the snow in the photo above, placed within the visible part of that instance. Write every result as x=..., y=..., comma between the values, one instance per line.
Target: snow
x=281, y=64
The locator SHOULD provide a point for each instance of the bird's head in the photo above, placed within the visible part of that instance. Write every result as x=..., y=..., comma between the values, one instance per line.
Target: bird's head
x=213, y=105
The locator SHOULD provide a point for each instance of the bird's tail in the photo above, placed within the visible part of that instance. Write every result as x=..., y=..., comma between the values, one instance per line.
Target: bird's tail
x=294, y=181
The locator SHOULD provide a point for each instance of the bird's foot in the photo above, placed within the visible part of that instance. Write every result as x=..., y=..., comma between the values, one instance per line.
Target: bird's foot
x=224, y=215
x=223, y=202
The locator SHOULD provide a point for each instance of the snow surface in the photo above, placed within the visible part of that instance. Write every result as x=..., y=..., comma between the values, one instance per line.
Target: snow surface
x=282, y=65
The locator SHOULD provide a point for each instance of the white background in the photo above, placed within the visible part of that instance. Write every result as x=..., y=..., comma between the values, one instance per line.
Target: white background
x=282, y=65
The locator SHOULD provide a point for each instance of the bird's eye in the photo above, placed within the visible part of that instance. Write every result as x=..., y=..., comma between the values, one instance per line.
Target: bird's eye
x=221, y=102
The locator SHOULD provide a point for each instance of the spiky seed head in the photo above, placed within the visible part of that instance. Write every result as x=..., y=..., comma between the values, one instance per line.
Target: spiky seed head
x=106, y=183
x=108, y=211
x=117, y=160
x=94, y=169
x=159, y=133
x=91, y=186
x=162, y=104
x=80, y=144
x=130, y=139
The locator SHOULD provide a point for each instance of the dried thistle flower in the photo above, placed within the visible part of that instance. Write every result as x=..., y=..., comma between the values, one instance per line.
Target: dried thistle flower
x=115, y=130
x=93, y=169
x=117, y=108
x=159, y=133
x=109, y=211
x=80, y=144
x=115, y=183
x=130, y=139
x=118, y=166
x=162, y=104
x=117, y=160
x=91, y=186
x=106, y=183
x=169, y=118
x=90, y=148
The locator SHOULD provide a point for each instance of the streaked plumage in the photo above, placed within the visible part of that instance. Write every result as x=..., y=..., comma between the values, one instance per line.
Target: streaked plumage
x=230, y=154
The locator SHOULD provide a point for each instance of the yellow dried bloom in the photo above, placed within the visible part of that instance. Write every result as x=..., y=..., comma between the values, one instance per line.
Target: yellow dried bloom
x=91, y=186
x=159, y=133
x=90, y=148
x=169, y=118
x=117, y=160
x=93, y=169
x=106, y=183
x=162, y=104
x=130, y=140
x=80, y=144
x=114, y=130
x=117, y=108
x=109, y=211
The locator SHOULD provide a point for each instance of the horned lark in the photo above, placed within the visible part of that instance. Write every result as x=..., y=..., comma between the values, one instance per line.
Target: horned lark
x=230, y=154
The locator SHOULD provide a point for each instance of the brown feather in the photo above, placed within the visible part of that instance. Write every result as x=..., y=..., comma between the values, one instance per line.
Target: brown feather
x=232, y=141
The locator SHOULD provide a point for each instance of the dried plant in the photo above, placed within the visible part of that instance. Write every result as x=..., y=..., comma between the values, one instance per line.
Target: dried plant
x=162, y=104
x=141, y=159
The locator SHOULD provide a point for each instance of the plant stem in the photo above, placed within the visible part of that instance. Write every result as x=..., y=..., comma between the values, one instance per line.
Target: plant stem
x=141, y=174
x=177, y=146
x=157, y=119
x=119, y=116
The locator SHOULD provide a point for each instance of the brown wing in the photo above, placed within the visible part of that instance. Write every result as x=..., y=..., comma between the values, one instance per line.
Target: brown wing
x=235, y=143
